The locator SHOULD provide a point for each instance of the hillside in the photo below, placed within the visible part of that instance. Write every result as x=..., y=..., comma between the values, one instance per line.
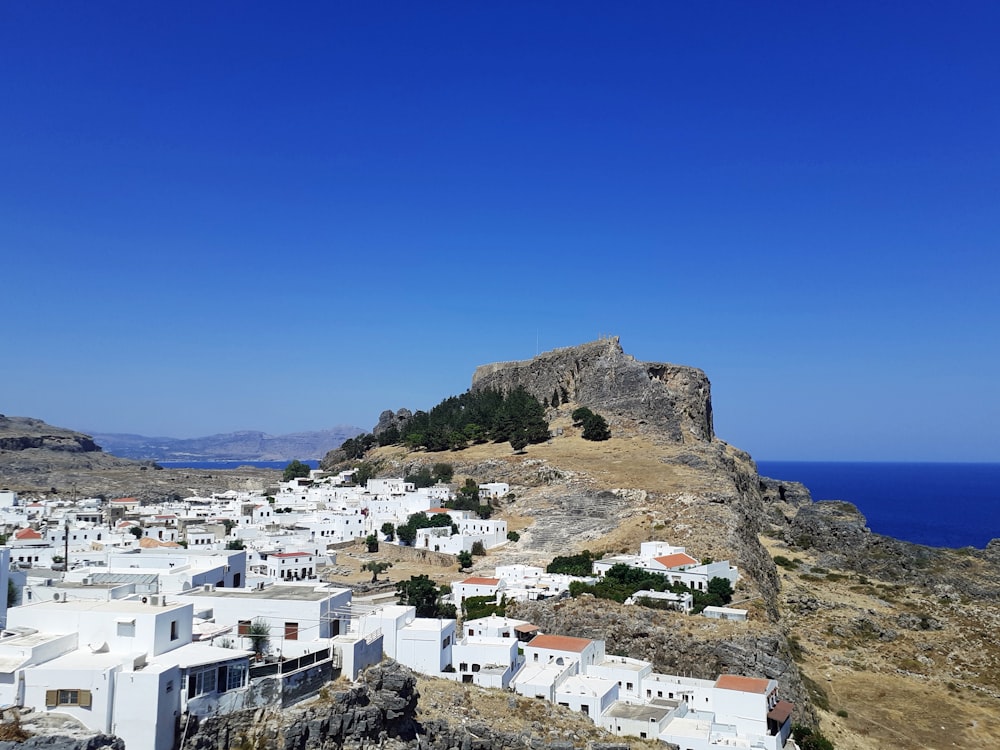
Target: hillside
x=862, y=632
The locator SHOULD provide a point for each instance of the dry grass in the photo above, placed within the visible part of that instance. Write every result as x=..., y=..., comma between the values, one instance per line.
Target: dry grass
x=900, y=687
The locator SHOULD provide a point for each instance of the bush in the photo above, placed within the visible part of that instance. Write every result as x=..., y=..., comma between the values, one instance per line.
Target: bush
x=513, y=536
x=595, y=428
x=478, y=549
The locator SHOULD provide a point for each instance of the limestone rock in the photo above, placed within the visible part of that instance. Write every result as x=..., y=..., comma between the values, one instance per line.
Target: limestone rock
x=674, y=399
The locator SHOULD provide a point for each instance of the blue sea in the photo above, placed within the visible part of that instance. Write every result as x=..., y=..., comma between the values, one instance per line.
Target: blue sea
x=938, y=504
x=311, y=463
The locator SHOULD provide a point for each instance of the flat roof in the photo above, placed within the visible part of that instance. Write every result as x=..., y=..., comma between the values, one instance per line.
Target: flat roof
x=479, y=581
x=128, y=606
x=688, y=728
x=269, y=593
x=639, y=712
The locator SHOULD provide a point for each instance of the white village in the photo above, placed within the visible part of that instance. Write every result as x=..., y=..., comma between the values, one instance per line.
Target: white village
x=130, y=616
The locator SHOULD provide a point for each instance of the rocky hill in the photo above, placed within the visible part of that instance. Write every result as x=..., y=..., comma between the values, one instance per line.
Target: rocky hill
x=25, y=433
x=673, y=400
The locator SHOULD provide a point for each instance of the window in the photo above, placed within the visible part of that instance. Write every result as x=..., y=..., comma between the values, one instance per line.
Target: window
x=463, y=667
x=170, y=686
x=173, y=630
x=202, y=682
x=243, y=627
x=79, y=698
x=447, y=642
x=236, y=676
x=628, y=686
x=291, y=631
x=585, y=709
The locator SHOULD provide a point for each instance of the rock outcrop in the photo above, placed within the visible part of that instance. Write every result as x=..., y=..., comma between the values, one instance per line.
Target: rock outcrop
x=379, y=711
x=25, y=433
x=674, y=400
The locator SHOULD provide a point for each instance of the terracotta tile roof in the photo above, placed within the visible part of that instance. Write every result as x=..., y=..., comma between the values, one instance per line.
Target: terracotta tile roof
x=27, y=533
x=781, y=711
x=526, y=628
x=439, y=510
x=559, y=643
x=676, y=560
x=482, y=581
x=292, y=554
x=149, y=543
x=743, y=684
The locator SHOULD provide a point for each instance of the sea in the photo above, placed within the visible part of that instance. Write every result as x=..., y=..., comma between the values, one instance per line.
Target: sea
x=937, y=504
x=311, y=463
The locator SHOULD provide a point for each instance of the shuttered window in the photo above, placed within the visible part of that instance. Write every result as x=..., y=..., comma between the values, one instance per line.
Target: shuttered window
x=81, y=698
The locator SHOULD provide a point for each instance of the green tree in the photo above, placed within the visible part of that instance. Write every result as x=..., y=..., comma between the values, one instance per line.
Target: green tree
x=595, y=428
x=722, y=588
x=389, y=437
x=366, y=470
x=294, y=470
x=419, y=592
x=376, y=567
x=136, y=531
x=422, y=477
x=443, y=472
x=389, y=531
x=519, y=440
x=513, y=536
x=235, y=544
x=259, y=634
x=478, y=549
x=464, y=560
x=580, y=414
x=371, y=542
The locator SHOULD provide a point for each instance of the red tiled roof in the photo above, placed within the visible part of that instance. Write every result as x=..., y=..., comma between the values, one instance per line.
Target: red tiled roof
x=27, y=533
x=743, y=684
x=526, y=628
x=439, y=510
x=482, y=581
x=781, y=711
x=559, y=643
x=676, y=560
x=292, y=554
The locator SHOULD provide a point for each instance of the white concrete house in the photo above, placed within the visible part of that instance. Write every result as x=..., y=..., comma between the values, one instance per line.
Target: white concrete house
x=563, y=649
x=487, y=661
x=627, y=673
x=291, y=566
x=476, y=586
x=591, y=696
x=122, y=667
x=293, y=612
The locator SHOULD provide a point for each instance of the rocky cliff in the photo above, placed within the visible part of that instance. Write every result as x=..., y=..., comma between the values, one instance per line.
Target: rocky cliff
x=672, y=399
x=25, y=433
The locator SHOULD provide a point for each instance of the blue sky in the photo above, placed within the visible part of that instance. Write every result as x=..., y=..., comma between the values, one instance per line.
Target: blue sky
x=221, y=216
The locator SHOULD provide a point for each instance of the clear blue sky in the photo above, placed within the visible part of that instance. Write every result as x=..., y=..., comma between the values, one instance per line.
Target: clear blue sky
x=221, y=216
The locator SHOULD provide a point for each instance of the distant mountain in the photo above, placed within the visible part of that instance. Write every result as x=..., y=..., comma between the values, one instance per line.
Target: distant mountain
x=232, y=446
